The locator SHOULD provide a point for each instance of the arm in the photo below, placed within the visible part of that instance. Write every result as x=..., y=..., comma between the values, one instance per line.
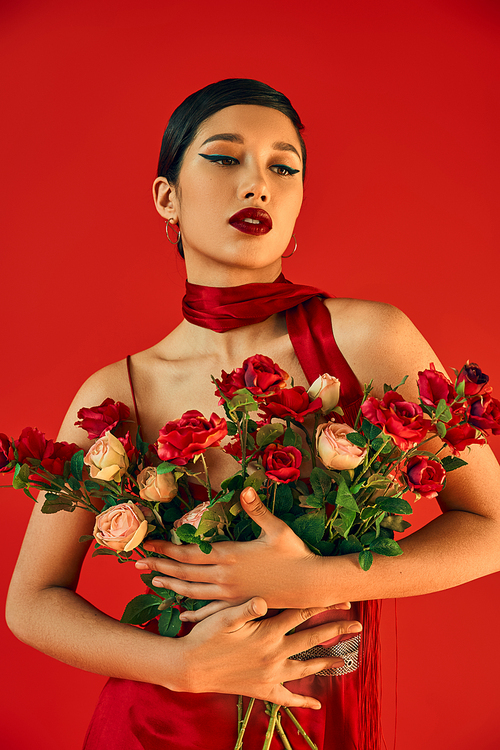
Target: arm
x=463, y=544
x=45, y=611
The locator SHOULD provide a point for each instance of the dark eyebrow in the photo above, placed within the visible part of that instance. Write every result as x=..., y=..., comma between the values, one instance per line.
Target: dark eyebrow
x=282, y=146
x=236, y=138
x=232, y=137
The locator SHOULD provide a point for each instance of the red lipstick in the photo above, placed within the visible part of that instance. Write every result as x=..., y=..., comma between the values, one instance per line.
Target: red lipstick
x=252, y=221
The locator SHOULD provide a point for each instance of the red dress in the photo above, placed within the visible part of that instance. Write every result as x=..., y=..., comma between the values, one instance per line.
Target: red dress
x=140, y=716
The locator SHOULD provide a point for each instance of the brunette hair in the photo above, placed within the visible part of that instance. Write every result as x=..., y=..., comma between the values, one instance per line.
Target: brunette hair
x=187, y=118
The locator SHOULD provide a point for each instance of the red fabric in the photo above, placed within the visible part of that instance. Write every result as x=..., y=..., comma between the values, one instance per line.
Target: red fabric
x=140, y=716
x=224, y=308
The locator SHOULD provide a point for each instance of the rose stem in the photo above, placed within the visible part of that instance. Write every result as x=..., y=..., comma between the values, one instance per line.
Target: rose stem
x=281, y=732
x=240, y=711
x=300, y=730
x=271, y=726
x=209, y=488
x=239, y=741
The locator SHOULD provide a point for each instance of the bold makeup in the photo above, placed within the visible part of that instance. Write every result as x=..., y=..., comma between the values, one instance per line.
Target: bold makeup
x=254, y=221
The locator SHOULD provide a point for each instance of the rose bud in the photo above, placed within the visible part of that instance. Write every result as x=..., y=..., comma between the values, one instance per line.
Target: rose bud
x=335, y=450
x=107, y=459
x=327, y=388
x=425, y=477
x=122, y=527
x=157, y=488
x=475, y=379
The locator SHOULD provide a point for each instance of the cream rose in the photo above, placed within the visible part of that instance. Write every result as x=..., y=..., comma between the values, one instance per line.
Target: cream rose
x=107, y=458
x=157, y=488
x=335, y=451
x=121, y=527
x=327, y=388
x=193, y=517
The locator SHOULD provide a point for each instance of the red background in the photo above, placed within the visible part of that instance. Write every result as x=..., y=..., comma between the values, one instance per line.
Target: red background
x=400, y=102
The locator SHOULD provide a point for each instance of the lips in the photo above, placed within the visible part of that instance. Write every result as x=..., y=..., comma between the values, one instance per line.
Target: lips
x=252, y=221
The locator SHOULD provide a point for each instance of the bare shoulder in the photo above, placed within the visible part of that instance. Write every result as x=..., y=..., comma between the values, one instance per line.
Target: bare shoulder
x=108, y=382
x=379, y=341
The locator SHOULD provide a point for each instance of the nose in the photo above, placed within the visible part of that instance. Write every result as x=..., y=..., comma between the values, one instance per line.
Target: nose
x=254, y=185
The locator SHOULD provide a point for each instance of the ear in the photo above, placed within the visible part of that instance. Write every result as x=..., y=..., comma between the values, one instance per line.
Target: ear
x=165, y=199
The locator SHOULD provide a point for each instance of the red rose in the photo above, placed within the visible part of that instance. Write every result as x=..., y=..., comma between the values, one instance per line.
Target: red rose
x=485, y=414
x=259, y=374
x=182, y=439
x=32, y=444
x=103, y=418
x=459, y=437
x=402, y=420
x=292, y=403
x=434, y=386
x=130, y=449
x=4, y=452
x=475, y=379
x=424, y=476
x=281, y=463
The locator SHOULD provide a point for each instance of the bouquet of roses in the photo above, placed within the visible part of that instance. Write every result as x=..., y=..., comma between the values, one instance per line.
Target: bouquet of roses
x=353, y=500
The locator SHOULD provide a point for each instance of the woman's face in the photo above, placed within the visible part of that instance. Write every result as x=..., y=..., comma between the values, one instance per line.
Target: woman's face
x=245, y=158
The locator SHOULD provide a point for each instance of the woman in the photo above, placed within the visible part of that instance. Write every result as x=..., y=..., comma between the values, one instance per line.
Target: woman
x=231, y=180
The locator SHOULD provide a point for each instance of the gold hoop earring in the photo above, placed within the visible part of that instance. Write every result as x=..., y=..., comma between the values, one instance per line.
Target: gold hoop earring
x=294, y=249
x=168, y=237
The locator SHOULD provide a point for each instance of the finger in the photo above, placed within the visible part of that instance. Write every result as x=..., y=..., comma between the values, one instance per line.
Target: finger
x=299, y=669
x=190, y=553
x=290, y=618
x=284, y=697
x=200, y=614
x=174, y=569
x=343, y=605
x=193, y=590
x=303, y=640
x=258, y=512
x=235, y=618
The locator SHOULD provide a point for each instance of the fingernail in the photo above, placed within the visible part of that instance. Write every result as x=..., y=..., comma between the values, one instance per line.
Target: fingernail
x=183, y=616
x=157, y=582
x=141, y=565
x=247, y=494
x=356, y=627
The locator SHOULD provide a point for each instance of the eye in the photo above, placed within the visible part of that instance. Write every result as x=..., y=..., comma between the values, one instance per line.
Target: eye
x=224, y=161
x=284, y=170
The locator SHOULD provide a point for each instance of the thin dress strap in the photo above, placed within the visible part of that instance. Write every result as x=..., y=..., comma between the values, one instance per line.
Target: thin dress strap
x=129, y=371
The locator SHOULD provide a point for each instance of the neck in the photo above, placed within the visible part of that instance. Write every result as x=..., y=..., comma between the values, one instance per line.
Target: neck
x=211, y=273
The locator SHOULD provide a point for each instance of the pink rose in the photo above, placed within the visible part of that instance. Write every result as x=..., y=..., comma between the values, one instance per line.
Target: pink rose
x=157, y=488
x=193, y=517
x=335, y=450
x=424, y=476
x=122, y=527
x=327, y=388
x=107, y=459
x=103, y=418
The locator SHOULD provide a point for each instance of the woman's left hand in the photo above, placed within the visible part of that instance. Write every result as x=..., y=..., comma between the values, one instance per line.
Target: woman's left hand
x=277, y=566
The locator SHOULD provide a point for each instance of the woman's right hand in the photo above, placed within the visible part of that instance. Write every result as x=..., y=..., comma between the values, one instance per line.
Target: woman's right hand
x=236, y=652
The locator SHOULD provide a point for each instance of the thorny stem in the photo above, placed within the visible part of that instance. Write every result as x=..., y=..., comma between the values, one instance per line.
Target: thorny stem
x=243, y=726
x=281, y=732
x=208, y=485
x=271, y=726
x=301, y=731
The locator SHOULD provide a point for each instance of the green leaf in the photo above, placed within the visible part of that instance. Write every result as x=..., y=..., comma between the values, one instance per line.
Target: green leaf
x=269, y=433
x=387, y=547
x=369, y=512
x=169, y=512
x=53, y=504
x=441, y=429
x=365, y=559
x=232, y=483
x=345, y=521
x=74, y=484
x=292, y=438
x=310, y=527
x=345, y=497
x=442, y=411
x=284, y=500
x=320, y=482
x=395, y=523
x=356, y=439
x=165, y=468
x=205, y=547
x=232, y=428
x=77, y=465
x=169, y=623
x=141, y=446
x=377, y=444
x=99, y=551
x=28, y=493
x=350, y=545
x=460, y=388
x=141, y=609
x=450, y=463
x=395, y=505
x=313, y=501
x=256, y=479
x=326, y=548
x=368, y=537
x=86, y=538
x=91, y=486
x=186, y=533
x=147, y=579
